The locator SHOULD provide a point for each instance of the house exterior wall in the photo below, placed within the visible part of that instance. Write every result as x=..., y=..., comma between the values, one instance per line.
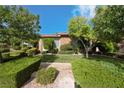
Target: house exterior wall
x=59, y=41
x=64, y=40
x=41, y=46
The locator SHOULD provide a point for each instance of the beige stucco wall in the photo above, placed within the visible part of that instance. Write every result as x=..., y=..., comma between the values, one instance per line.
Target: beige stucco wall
x=64, y=40
x=40, y=45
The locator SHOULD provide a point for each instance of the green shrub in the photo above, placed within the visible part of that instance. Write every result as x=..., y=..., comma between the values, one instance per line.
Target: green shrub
x=4, y=50
x=25, y=49
x=54, y=51
x=12, y=55
x=18, y=53
x=66, y=47
x=48, y=43
x=109, y=46
x=17, y=47
x=31, y=52
x=15, y=73
x=6, y=55
x=46, y=76
x=4, y=47
x=65, y=52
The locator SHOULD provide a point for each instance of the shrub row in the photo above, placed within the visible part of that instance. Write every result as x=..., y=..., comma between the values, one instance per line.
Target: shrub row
x=12, y=55
x=15, y=73
x=19, y=54
x=46, y=76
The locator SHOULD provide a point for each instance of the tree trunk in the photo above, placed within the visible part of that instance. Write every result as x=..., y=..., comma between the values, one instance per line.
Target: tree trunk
x=1, y=58
x=86, y=49
x=87, y=55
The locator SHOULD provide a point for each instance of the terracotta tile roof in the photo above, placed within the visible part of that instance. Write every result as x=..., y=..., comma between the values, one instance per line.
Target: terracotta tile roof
x=50, y=36
x=62, y=33
x=54, y=35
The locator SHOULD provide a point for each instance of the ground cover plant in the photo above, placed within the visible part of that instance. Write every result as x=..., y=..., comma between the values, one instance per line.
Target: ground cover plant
x=16, y=72
x=99, y=72
x=46, y=75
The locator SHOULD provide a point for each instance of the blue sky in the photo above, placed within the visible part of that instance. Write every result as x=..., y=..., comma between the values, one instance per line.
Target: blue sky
x=55, y=18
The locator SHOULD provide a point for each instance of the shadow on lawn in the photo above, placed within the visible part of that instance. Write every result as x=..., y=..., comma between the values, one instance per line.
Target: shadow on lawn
x=48, y=58
x=116, y=62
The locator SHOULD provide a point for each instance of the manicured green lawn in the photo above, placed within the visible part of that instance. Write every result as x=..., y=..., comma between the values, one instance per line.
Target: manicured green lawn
x=95, y=71
x=16, y=65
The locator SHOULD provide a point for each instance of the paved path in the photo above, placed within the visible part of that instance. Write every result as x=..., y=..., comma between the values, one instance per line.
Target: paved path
x=64, y=79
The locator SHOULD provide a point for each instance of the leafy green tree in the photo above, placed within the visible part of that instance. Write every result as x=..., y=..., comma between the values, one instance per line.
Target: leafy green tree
x=24, y=24
x=17, y=25
x=49, y=44
x=108, y=23
x=79, y=30
x=4, y=37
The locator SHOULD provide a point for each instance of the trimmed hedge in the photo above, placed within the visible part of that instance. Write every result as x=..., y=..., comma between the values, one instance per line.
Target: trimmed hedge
x=46, y=76
x=12, y=55
x=15, y=73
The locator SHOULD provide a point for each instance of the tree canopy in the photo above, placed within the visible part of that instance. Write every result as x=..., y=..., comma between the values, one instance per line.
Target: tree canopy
x=80, y=30
x=18, y=24
x=108, y=22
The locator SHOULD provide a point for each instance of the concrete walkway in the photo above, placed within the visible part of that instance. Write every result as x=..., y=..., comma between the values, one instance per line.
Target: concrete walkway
x=64, y=79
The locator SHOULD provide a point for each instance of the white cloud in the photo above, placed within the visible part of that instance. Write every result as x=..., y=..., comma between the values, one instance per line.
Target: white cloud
x=85, y=10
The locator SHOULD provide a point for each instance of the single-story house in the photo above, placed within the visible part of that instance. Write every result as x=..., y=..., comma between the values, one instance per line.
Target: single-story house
x=59, y=39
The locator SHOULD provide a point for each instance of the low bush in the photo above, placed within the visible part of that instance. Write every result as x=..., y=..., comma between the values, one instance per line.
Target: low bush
x=65, y=52
x=54, y=51
x=24, y=49
x=6, y=55
x=4, y=47
x=15, y=73
x=66, y=47
x=31, y=52
x=16, y=47
x=16, y=53
x=12, y=55
x=46, y=76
